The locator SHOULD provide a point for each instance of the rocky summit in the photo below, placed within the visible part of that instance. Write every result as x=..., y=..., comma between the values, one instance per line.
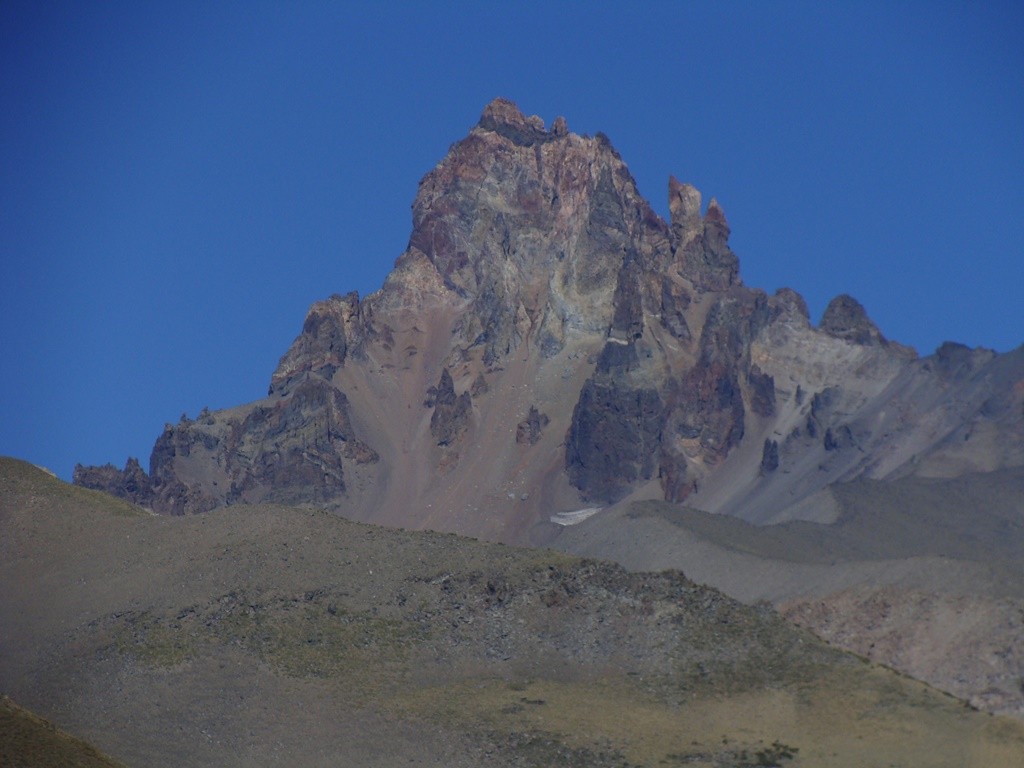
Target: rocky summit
x=547, y=342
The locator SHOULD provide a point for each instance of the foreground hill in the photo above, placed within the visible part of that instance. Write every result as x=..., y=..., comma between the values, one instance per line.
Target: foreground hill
x=266, y=635
x=28, y=741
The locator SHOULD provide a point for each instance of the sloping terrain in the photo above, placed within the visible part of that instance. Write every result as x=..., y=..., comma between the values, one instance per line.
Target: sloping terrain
x=922, y=574
x=28, y=741
x=266, y=635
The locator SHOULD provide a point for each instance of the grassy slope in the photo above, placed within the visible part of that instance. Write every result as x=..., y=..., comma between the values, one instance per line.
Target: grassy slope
x=275, y=636
x=28, y=741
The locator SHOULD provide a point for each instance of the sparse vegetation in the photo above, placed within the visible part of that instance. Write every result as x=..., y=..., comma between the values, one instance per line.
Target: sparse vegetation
x=36, y=487
x=774, y=755
x=200, y=634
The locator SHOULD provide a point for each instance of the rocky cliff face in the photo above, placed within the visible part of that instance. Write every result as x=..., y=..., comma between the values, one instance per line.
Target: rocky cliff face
x=547, y=341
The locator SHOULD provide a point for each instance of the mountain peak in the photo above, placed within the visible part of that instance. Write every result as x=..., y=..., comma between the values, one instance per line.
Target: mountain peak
x=845, y=318
x=684, y=200
x=537, y=279
x=716, y=214
x=503, y=116
x=501, y=110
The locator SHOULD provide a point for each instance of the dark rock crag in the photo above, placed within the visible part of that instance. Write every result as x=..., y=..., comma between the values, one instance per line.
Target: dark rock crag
x=451, y=412
x=529, y=429
x=132, y=482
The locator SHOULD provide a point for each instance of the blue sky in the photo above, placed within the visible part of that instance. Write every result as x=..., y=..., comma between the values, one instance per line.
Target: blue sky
x=179, y=181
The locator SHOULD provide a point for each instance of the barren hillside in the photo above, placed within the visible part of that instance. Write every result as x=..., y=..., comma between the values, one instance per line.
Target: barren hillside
x=268, y=635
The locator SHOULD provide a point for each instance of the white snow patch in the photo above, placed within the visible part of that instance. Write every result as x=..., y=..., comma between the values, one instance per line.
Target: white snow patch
x=574, y=517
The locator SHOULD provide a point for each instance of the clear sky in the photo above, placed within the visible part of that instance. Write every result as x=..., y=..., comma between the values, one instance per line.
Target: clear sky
x=179, y=181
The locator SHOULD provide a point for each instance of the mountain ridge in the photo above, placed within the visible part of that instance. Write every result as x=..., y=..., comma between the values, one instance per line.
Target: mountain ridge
x=538, y=278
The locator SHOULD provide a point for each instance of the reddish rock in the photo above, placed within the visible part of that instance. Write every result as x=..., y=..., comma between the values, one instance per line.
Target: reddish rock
x=536, y=271
x=529, y=429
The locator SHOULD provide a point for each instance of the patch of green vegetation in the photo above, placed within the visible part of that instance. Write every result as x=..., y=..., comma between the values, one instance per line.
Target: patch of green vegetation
x=313, y=641
x=308, y=636
x=157, y=641
x=610, y=721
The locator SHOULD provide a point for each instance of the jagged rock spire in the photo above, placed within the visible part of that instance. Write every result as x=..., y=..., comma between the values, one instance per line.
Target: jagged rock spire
x=701, y=245
x=504, y=118
x=684, y=203
x=845, y=318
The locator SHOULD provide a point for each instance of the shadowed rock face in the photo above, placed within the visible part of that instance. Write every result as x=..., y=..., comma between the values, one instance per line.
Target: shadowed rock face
x=132, y=482
x=536, y=276
x=613, y=440
x=290, y=450
x=331, y=327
